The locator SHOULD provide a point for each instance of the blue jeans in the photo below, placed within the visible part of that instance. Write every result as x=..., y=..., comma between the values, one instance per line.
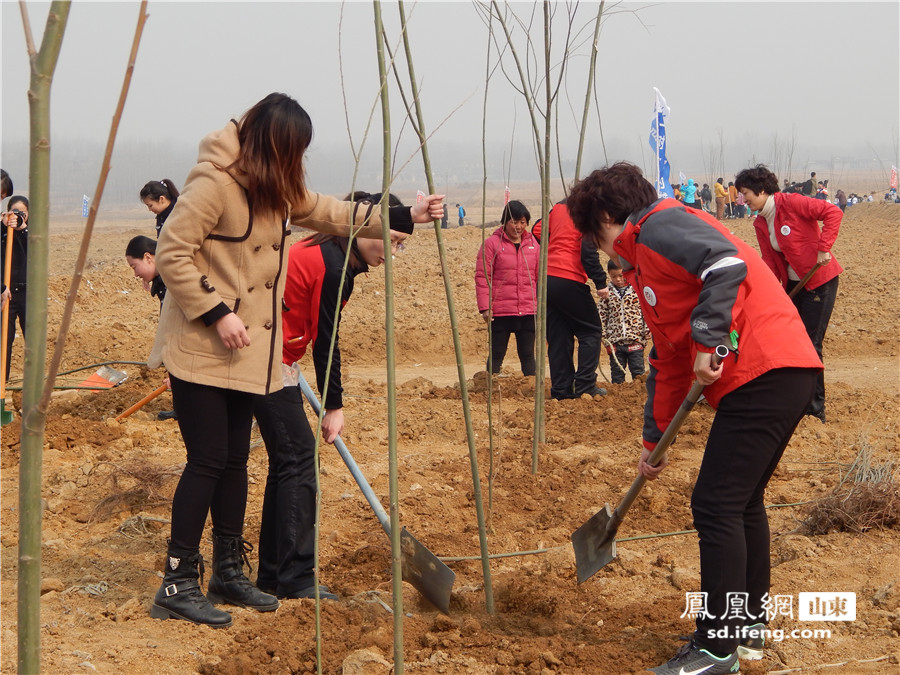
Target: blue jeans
x=634, y=361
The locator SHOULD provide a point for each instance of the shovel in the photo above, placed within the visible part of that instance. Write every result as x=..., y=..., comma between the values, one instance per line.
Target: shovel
x=595, y=541
x=420, y=567
x=805, y=280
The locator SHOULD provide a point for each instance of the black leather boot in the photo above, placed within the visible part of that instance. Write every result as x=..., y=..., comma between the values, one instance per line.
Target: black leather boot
x=180, y=596
x=228, y=582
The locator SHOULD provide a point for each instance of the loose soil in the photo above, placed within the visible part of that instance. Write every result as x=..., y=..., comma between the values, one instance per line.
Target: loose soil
x=107, y=486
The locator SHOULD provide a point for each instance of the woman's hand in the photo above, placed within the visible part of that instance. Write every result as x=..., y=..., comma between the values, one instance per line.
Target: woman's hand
x=10, y=219
x=603, y=292
x=486, y=315
x=823, y=257
x=648, y=471
x=332, y=424
x=232, y=332
x=430, y=208
x=706, y=372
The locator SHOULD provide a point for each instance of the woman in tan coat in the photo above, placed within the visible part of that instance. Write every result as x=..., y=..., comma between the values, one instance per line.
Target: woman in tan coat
x=222, y=255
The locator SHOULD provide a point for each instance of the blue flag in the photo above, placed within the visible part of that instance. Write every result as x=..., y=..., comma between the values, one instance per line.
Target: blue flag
x=658, y=144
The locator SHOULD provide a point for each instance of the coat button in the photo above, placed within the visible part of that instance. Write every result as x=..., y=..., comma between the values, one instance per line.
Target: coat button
x=267, y=325
x=250, y=290
x=276, y=246
x=257, y=248
x=270, y=284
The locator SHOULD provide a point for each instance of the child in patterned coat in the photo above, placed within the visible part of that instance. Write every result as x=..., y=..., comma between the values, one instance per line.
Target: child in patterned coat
x=625, y=332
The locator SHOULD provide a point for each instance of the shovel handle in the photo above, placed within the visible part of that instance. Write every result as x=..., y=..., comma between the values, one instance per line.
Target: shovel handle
x=360, y=479
x=668, y=436
x=805, y=280
x=140, y=404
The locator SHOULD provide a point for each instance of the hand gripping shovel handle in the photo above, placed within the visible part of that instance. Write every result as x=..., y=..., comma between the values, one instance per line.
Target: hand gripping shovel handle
x=382, y=515
x=595, y=541
x=668, y=436
x=805, y=280
x=421, y=568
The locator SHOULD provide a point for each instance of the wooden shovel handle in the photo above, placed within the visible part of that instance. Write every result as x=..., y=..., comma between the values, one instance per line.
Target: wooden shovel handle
x=140, y=404
x=805, y=280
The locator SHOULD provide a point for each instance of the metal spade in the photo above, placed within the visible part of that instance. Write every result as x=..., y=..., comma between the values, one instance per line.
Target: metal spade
x=595, y=541
x=420, y=567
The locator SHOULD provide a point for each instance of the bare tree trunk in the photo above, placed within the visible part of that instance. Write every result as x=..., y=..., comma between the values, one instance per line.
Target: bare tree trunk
x=43, y=65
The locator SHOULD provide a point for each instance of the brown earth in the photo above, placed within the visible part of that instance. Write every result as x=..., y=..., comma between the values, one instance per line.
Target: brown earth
x=107, y=487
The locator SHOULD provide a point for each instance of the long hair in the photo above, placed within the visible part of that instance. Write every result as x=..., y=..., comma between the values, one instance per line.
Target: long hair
x=274, y=135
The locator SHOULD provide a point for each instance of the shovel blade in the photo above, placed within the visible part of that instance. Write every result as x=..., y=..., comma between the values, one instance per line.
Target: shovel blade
x=594, y=544
x=428, y=575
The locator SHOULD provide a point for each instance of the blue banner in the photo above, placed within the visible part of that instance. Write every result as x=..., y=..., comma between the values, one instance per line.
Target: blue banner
x=658, y=144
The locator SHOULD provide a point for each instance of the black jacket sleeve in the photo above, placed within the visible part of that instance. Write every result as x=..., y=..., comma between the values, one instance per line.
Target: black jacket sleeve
x=590, y=260
x=328, y=325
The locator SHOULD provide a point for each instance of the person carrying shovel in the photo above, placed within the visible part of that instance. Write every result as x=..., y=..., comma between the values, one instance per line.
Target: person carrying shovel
x=793, y=245
x=701, y=288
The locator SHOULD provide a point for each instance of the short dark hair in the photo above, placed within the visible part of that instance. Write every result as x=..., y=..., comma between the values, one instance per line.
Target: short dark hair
x=139, y=246
x=618, y=190
x=515, y=210
x=612, y=265
x=17, y=199
x=757, y=179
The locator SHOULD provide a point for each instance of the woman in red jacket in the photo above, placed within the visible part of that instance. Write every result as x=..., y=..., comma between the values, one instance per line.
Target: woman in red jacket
x=701, y=287
x=791, y=243
x=315, y=293
x=505, y=285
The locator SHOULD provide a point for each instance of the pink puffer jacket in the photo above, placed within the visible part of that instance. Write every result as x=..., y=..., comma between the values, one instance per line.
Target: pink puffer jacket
x=511, y=274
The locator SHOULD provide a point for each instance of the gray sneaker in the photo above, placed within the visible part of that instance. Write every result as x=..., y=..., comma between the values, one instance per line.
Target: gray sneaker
x=753, y=640
x=692, y=660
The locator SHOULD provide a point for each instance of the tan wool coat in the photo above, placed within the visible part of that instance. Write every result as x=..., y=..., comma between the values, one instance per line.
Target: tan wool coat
x=212, y=250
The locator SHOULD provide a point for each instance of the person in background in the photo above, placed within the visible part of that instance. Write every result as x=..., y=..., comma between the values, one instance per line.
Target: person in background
x=222, y=256
x=6, y=188
x=689, y=194
x=571, y=312
x=140, y=254
x=316, y=291
x=15, y=218
x=707, y=197
x=721, y=194
x=841, y=200
x=445, y=219
x=702, y=288
x=626, y=333
x=792, y=243
x=505, y=286
x=731, y=208
x=461, y=212
x=159, y=196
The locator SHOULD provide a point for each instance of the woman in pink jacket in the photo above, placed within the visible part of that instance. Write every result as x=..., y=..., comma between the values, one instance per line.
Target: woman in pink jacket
x=506, y=285
x=792, y=243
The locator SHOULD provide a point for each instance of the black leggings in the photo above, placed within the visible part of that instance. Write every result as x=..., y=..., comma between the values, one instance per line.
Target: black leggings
x=215, y=424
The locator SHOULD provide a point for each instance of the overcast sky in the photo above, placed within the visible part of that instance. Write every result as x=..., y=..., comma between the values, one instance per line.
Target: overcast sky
x=740, y=77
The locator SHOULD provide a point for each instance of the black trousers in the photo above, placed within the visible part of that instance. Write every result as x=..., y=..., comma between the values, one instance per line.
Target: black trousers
x=16, y=310
x=750, y=431
x=215, y=424
x=287, y=531
x=523, y=328
x=572, y=313
x=815, y=307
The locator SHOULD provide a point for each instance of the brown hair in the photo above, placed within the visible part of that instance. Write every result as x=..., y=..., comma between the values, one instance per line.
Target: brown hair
x=274, y=135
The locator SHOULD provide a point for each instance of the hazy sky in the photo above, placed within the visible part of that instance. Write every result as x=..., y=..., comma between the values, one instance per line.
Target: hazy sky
x=737, y=76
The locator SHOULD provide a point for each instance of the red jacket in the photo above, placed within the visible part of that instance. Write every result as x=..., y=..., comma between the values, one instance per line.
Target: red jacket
x=512, y=273
x=698, y=284
x=569, y=255
x=799, y=237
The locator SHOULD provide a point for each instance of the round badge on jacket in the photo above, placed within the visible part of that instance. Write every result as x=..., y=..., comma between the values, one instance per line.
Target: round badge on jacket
x=785, y=230
x=649, y=296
